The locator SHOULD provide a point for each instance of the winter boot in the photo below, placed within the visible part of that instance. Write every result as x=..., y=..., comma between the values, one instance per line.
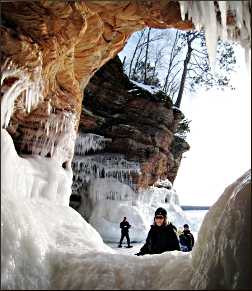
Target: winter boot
x=129, y=246
x=119, y=246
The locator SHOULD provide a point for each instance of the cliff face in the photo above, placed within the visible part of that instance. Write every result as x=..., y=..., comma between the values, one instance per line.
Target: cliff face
x=58, y=46
x=49, y=52
x=73, y=39
x=139, y=125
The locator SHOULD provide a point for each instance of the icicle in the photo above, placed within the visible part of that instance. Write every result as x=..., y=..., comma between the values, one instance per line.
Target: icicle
x=28, y=83
x=86, y=142
x=184, y=7
x=203, y=15
x=223, y=11
x=106, y=165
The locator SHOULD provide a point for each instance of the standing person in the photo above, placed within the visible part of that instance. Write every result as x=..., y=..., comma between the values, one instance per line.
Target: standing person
x=124, y=225
x=186, y=239
x=161, y=237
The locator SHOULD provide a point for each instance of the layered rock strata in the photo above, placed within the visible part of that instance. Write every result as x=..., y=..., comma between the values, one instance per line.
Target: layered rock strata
x=51, y=49
x=139, y=125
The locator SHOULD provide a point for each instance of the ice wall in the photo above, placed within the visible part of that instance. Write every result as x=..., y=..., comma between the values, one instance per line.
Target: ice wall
x=110, y=201
x=222, y=256
x=36, y=221
x=89, y=141
x=45, y=245
x=163, y=195
x=107, y=165
x=44, y=142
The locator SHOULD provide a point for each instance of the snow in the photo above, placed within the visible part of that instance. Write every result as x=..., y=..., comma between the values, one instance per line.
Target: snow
x=151, y=89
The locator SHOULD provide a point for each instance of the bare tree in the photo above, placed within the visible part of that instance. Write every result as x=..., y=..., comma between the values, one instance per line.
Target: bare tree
x=135, y=51
x=146, y=55
x=187, y=66
x=190, y=36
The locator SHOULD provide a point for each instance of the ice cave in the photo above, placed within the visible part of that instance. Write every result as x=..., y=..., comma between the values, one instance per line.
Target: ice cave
x=50, y=157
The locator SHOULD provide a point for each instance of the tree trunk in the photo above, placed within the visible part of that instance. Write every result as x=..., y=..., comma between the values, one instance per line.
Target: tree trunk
x=123, y=63
x=134, y=54
x=183, y=78
x=172, y=56
x=137, y=61
x=146, y=56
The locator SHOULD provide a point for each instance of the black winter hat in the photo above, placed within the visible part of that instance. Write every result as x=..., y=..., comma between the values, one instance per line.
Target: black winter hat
x=161, y=211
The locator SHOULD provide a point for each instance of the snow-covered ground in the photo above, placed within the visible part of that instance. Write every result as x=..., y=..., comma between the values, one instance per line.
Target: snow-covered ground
x=126, y=251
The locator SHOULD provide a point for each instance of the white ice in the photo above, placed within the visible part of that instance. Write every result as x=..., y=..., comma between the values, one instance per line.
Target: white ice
x=45, y=244
x=27, y=84
x=86, y=142
x=106, y=201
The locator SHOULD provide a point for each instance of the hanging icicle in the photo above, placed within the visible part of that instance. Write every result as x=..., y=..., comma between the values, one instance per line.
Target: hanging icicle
x=29, y=85
x=203, y=15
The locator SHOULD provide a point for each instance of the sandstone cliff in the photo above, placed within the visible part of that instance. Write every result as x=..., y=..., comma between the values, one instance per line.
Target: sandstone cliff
x=49, y=52
x=139, y=125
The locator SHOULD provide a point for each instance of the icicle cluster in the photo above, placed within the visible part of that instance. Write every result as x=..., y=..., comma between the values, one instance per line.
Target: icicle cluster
x=39, y=143
x=27, y=84
x=110, y=189
x=103, y=166
x=86, y=142
x=203, y=15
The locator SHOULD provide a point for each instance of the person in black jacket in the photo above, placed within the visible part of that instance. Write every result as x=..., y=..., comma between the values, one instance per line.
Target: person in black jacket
x=161, y=237
x=124, y=225
x=186, y=239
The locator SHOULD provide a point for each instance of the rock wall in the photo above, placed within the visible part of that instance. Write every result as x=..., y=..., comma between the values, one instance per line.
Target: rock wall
x=139, y=125
x=69, y=42
x=51, y=49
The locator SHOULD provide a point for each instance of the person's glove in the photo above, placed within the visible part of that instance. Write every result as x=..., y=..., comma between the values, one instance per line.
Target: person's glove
x=139, y=254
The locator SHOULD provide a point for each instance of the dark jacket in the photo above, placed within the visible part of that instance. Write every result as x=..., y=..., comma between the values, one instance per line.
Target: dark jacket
x=187, y=239
x=160, y=239
x=124, y=225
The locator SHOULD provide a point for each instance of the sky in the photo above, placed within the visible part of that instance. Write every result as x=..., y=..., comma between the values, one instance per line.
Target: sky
x=220, y=141
x=220, y=138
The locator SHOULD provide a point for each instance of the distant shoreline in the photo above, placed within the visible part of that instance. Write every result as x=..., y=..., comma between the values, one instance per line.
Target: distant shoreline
x=188, y=207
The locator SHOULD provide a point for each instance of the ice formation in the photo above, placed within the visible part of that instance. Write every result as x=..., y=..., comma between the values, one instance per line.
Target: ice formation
x=45, y=244
x=29, y=85
x=203, y=15
x=160, y=196
x=44, y=142
x=103, y=166
x=89, y=141
x=108, y=201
